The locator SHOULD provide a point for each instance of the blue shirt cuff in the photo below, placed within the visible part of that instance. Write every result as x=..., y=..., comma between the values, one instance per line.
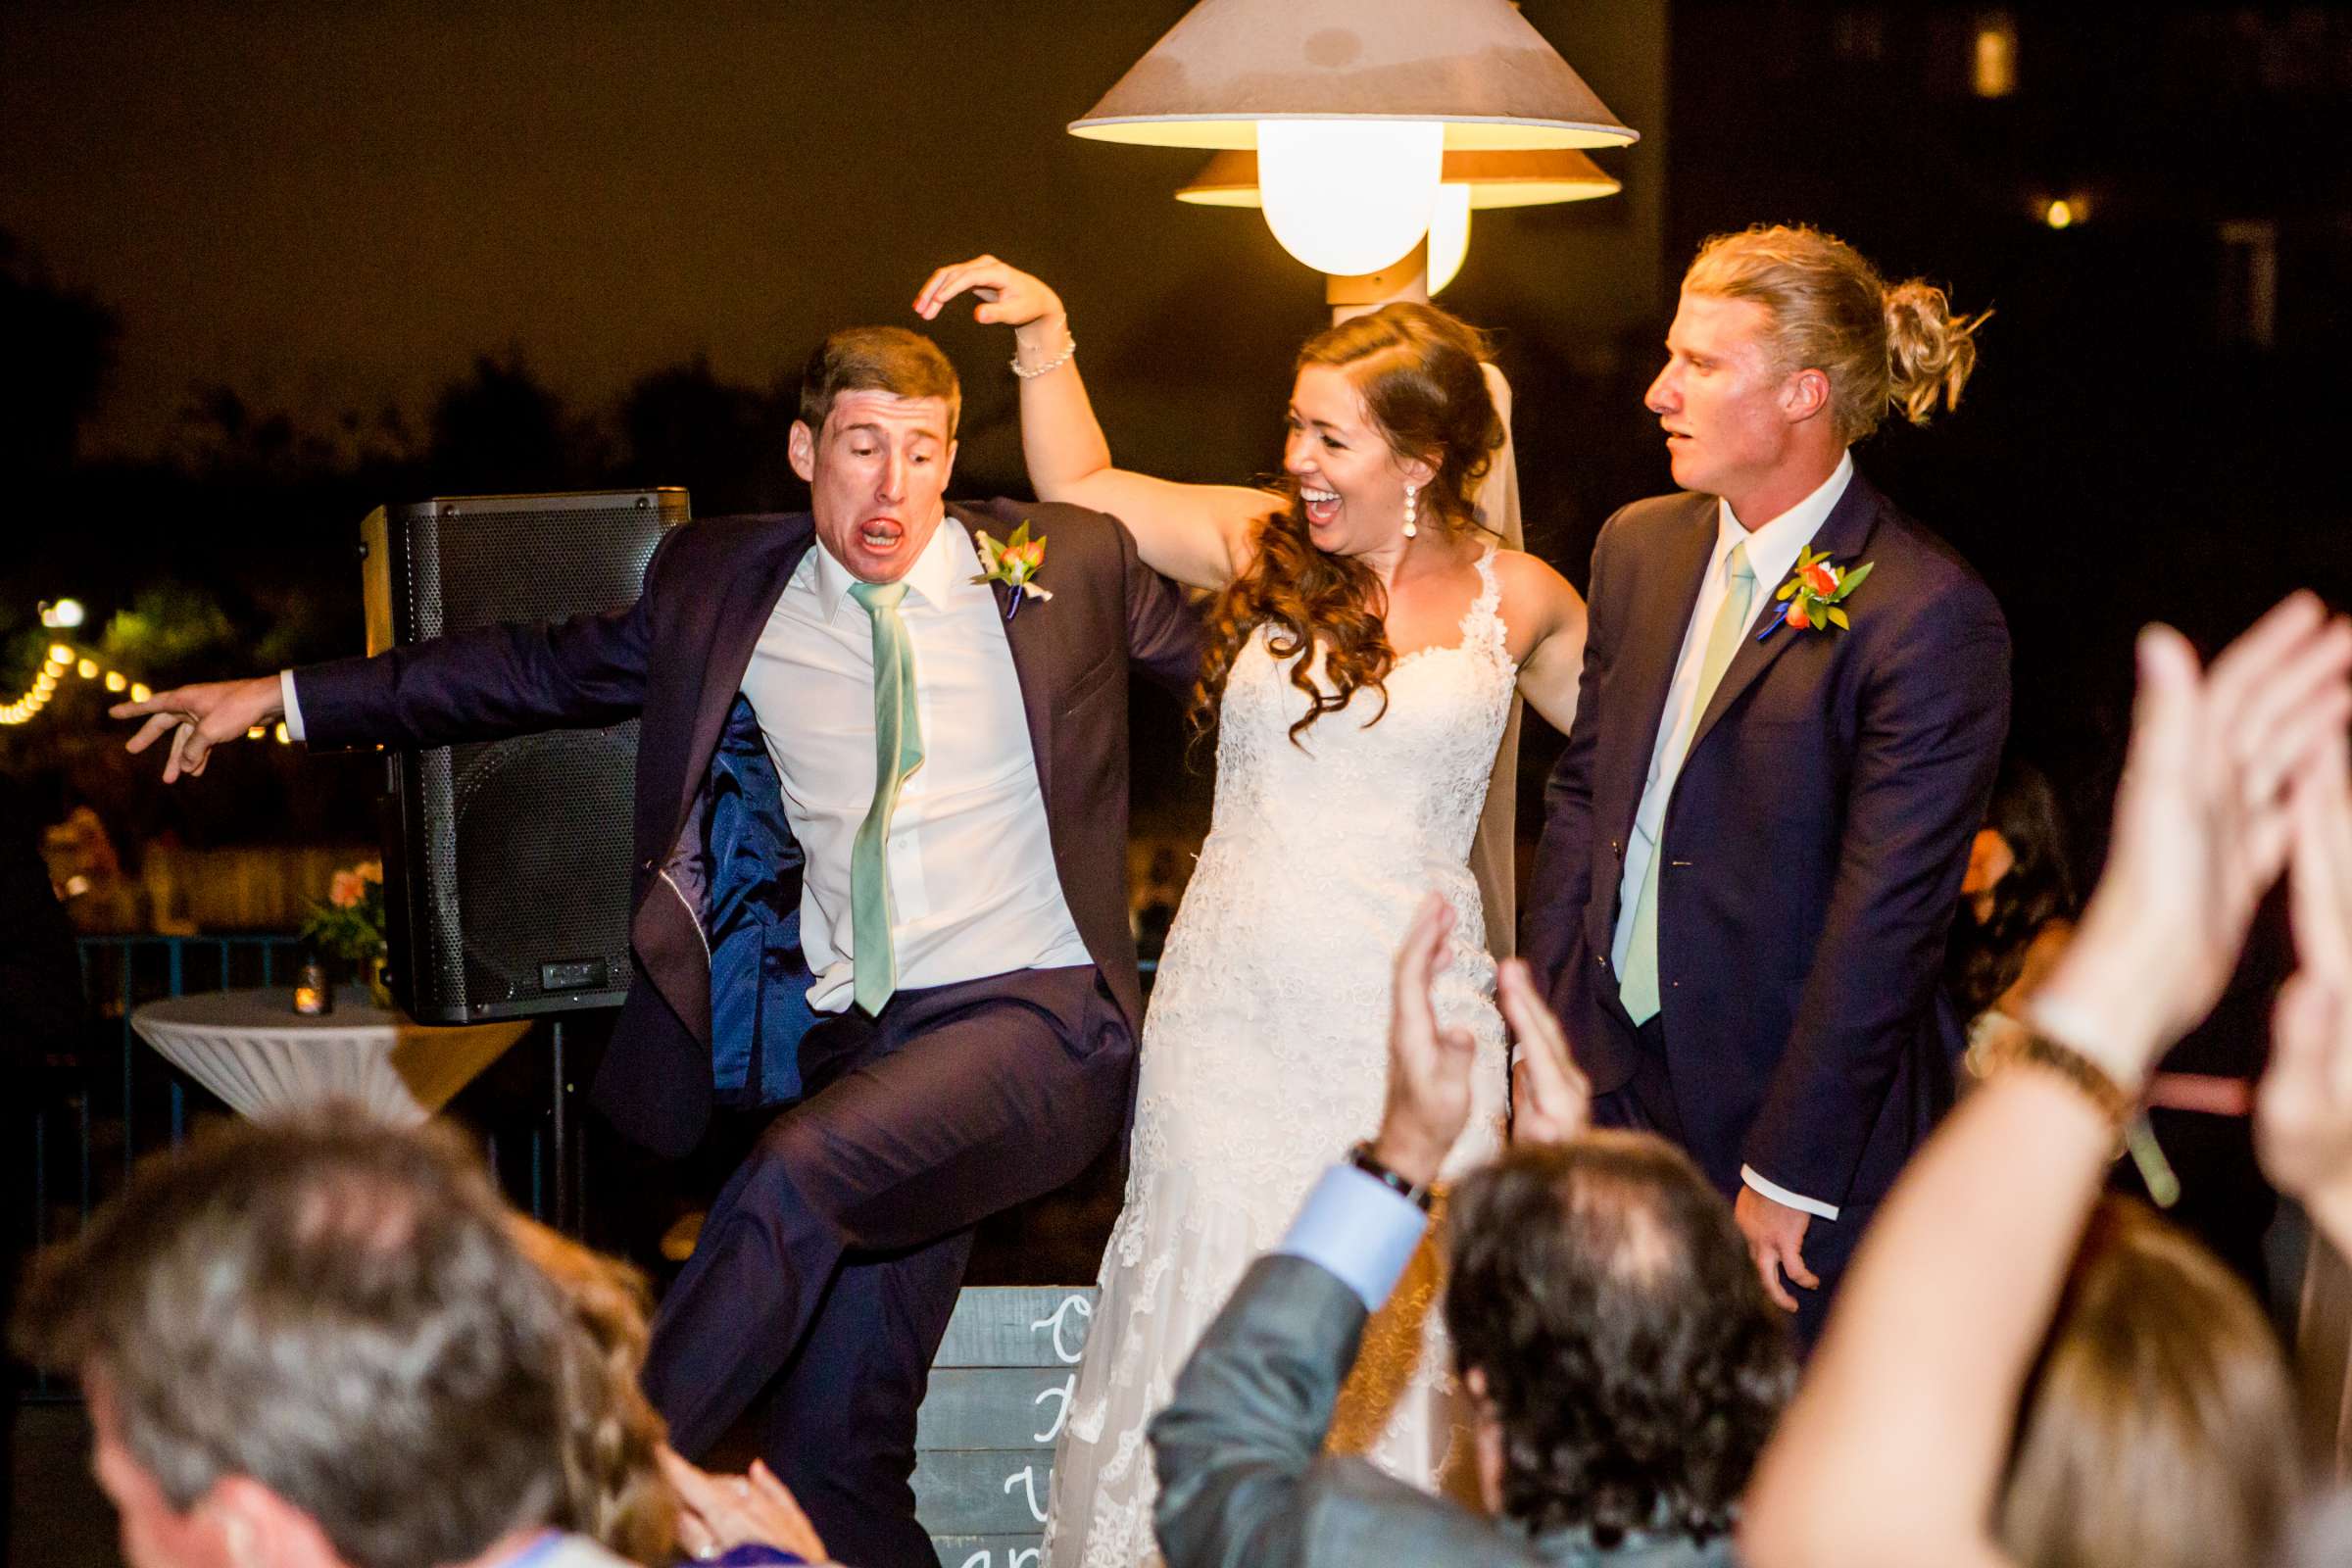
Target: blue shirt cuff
x=1360, y=1230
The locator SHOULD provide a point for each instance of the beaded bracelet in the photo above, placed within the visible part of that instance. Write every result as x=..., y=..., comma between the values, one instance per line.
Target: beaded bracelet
x=1068, y=351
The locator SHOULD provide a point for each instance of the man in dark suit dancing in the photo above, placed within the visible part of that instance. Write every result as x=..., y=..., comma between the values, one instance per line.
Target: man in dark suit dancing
x=1794, y=699
x=881, y=881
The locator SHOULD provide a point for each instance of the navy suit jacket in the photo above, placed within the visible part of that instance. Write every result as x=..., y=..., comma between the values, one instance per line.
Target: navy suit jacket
x=1813, y=845
x=718, y=1006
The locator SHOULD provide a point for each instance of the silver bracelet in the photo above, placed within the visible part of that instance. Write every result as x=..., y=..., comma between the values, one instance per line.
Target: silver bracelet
x=1068, y=351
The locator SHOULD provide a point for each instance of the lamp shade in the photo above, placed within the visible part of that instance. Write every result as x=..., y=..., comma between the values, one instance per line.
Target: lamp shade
x=1348, y=197
x=1475, y=66
x=1494, y=180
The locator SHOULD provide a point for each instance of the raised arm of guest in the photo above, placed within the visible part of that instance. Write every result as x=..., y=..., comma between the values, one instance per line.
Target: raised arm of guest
x=1897, y=1448
x=1198, y=535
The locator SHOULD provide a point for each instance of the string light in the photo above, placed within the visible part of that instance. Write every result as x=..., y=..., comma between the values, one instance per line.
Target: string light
x=65, y=658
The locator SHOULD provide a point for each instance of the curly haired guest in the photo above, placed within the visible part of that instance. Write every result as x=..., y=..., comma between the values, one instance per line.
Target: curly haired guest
x=1623, y=1363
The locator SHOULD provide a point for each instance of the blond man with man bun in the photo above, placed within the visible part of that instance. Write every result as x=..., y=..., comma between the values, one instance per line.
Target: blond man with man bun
x=1794, y=699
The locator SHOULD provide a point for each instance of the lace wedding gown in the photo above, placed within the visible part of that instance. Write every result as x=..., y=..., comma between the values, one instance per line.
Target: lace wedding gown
x=1265, y=1056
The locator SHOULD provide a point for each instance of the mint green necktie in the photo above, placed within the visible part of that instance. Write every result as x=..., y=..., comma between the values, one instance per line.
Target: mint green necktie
x=898, y=752
x=1637, y=986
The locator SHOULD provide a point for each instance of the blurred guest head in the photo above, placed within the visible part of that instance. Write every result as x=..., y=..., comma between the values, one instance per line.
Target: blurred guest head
x=2159, y=1426
x=876, y=442
x=1392, y=423
x=309, y=1344
x=1625, y=1362
x=2019, y=881
x=613, y=1488
x=1787, y=348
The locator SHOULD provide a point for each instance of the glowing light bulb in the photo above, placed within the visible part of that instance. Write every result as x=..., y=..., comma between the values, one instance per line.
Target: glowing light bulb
x=1448, y=236
x=1348, y=197
x=87, y=669
x=117, y=681
x=63, y=613
x=60, y=654
x=2059, y=214
x=139, y=693
x=284, y=737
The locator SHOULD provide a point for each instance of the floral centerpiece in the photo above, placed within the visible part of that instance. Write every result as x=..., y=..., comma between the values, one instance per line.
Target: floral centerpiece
x=350, y=924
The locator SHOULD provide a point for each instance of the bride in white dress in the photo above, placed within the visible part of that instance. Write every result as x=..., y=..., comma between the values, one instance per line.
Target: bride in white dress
x=1365, y=648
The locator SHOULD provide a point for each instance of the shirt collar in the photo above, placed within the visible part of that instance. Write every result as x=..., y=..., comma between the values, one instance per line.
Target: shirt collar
x=1772, y=549
x=934, y=578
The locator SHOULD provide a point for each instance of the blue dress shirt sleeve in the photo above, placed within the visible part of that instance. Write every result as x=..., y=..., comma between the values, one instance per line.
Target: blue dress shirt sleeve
x=1359, y=1230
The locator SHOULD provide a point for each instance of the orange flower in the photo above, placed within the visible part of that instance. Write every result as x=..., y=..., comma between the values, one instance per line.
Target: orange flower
x=346, y=890
x=1818, y=578
x=370, y=870
x=1797, y=617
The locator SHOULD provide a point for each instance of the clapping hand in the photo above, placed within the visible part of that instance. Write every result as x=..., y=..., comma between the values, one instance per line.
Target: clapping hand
x=2303, y=1109
x=722, y=1513
x=199, y=718
x=1429, y=1067
x=1551, y=1098
x=2203, y=823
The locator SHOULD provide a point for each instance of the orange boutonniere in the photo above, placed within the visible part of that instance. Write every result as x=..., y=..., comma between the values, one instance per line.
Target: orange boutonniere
x=1811, y=597
x=1016, y=564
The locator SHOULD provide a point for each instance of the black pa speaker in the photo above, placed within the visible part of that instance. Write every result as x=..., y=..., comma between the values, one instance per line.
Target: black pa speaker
x=507, y=862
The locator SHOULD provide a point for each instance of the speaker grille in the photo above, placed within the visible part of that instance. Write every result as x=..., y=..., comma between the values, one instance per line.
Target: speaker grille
x=516, y=852
x=537, y=565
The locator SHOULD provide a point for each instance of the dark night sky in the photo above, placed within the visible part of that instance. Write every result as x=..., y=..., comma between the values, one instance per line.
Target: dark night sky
x=327, y=207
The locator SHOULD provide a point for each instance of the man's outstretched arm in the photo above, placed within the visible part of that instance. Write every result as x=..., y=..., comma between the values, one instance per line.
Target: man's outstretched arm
x=473, y=685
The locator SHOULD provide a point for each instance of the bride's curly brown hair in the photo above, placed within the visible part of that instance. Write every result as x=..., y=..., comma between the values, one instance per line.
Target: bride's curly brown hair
x=1418, y=370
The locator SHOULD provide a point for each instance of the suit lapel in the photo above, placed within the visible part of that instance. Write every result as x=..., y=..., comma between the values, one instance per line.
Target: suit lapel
x=742, y=617
x=1668, y=591
x=1026, y=635
x=1843, y=534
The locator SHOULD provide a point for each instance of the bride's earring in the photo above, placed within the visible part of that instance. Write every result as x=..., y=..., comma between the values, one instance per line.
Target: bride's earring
x=1411, y=495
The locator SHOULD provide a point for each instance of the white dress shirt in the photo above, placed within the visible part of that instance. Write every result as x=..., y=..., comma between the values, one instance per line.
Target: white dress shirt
x=1772, y=552
x=973, y=889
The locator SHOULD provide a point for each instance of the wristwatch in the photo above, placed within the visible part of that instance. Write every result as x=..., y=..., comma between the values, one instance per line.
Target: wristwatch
x=1360, y=1156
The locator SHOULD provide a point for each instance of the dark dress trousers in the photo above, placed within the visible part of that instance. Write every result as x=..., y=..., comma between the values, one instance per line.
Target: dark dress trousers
x=828, y=1267
x=1813, y=848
